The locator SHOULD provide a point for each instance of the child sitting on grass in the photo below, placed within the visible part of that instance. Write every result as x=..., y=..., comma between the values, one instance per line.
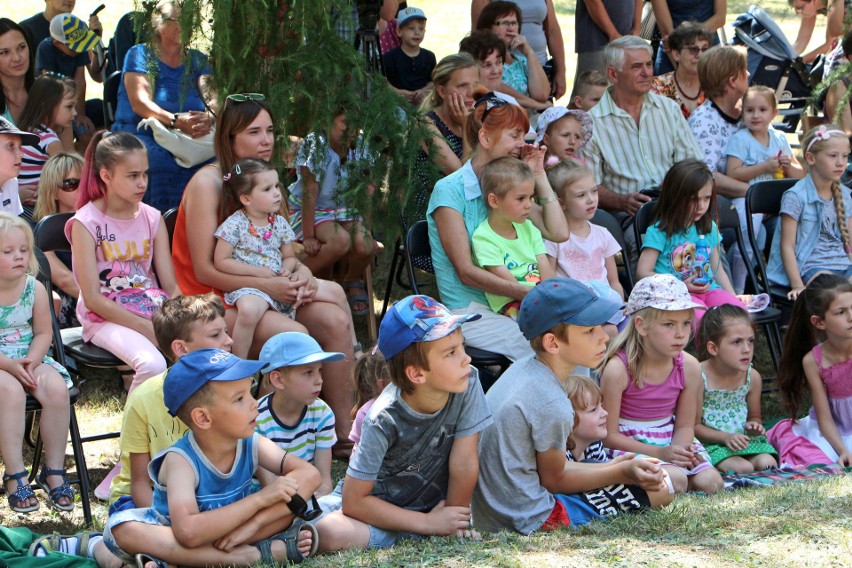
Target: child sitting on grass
x=507, y=243
x=205, y=509
x=292, y=415
x=416, y=465
x=181, y=325
x=526, y=482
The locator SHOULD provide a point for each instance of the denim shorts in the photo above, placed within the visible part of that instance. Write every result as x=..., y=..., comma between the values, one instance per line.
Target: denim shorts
x=382, y=538
x=808, y=274
x=147, y=515
x=123, y=503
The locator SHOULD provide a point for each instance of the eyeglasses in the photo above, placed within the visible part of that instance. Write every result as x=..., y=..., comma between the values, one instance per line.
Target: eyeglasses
x=491, y=101
x=243, y=97
x=506, y=23
x=300, y=508
x=695, y=50
x=70, y=184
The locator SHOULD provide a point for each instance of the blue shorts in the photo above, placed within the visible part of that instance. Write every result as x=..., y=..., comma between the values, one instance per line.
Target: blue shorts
x=579, y=511
x=123, y=503
x=809, y=274
x=147, y=515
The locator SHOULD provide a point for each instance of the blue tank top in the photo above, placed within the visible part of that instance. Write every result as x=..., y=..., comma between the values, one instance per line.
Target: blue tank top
x=213, y=488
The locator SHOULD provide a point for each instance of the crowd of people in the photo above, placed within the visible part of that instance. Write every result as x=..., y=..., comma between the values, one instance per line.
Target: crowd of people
x=209, y=475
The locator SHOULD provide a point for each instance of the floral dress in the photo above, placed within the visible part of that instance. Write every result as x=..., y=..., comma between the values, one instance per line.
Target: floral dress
x=664, y=85
x=16, y=329
x=727, y=411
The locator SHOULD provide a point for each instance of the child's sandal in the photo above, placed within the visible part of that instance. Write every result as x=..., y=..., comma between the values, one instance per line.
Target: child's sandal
x=290, y=538
x=143, y=559
x=55, y=494
x=53, y=543
x=22, y=494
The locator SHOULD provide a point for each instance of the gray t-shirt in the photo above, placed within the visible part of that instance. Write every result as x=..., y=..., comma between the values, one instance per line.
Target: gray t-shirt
x=828, y=251
x=407, y=454
x=532, y=414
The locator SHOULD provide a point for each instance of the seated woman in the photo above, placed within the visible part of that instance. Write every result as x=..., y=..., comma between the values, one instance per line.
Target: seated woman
x=244, y=130
x=447, y=108
x=494, y=129
x=686, y=44
x=176, y=102
x=16, y=76
x=521, y=69
x=489, y=51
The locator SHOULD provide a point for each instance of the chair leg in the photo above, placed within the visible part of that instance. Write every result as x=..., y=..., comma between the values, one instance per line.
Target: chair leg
x=773, y=338
x=397, y=253
x=82, y=468
x=371, y=315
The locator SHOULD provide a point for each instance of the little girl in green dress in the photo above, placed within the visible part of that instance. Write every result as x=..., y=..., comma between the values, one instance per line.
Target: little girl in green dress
x=728, y=422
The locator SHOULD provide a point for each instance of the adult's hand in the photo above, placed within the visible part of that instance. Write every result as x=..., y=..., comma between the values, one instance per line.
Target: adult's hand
x=631, y=202
x=457, y=108
x=194, y=123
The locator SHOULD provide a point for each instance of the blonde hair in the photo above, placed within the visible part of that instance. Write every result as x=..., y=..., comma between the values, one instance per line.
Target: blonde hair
x=566, y=173
x=442, y=74
x=581, y=391
x=717, y=65
x=502, y=175
x=631, y=342
x=9, y=222
x=815, y=147
x=52, y=175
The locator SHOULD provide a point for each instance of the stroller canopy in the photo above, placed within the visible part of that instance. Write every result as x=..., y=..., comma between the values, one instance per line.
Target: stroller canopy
x=758, y=31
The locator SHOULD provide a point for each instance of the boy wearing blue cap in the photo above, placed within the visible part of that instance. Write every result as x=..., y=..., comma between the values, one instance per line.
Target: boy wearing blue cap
x=526, y=482
x=292, y=415
x=205, y=509
x=416, y=464
x=408, y=66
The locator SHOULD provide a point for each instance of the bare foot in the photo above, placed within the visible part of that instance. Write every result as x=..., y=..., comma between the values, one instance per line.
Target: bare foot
x=279, y=548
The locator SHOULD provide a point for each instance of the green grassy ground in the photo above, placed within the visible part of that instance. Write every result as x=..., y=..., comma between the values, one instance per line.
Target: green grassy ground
x=792, y=525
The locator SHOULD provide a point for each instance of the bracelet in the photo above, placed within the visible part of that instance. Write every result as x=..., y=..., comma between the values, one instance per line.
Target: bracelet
x=174, y=121
x=547, y=200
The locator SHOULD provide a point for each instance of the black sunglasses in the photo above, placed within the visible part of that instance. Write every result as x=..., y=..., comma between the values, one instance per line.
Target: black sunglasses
x=491, y=101
x=70, y=184
x=300, y=508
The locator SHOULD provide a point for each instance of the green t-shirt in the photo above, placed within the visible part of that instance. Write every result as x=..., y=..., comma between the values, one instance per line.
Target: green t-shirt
x=518, y=255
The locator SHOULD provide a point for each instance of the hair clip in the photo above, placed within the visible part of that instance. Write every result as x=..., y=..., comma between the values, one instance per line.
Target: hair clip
x=237, y=169
x=226, y=177
x=374, y=349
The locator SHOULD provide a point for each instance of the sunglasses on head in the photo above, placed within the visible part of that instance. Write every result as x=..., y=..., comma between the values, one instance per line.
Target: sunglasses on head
x=70, y=184
x=491, y=101
x=243, y=97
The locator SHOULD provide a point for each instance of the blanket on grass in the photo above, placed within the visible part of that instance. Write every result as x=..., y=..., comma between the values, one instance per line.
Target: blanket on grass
x=15, y=542
x=777, y=475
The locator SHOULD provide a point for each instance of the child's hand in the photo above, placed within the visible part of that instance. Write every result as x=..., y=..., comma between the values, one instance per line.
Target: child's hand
x=312, y=246
x=20, y=369
x=845, y=459
x=646, y=473
x=771, y=165
x=794, y=292
x=238, y=536
x=281, y=489
x=754, y=429
x=695, y=288
x=444, y=521
x=681, y=456
x=736, y=442
x=785, y=160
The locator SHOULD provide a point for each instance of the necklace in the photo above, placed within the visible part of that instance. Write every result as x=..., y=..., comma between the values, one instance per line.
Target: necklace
x=266, y=234
x=682, y=92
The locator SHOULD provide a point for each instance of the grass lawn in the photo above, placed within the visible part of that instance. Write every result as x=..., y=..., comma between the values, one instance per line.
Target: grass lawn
x=794, y=525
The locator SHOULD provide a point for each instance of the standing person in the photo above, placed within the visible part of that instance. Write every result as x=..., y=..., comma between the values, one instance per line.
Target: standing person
x=37, y=26
x=176, y=102
x=541, y=29
x=245, y=130
x=686, y=44
x=650, y=386
x=598, y=22
x=117, y=242
x=17, y=62
x=672, y=13
x=495, y=129
x=808, y=10
x=26, y=369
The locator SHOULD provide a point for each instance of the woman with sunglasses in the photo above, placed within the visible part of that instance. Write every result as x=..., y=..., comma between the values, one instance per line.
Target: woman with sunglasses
x=686, y=44
x=494, y=129
x=57, y=193
x=176, y=102
x=244, y=129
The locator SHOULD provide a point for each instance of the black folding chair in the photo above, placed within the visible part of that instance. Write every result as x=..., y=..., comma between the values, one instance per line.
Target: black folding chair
x=170, y=219
x=418, y=255
x=607, y=221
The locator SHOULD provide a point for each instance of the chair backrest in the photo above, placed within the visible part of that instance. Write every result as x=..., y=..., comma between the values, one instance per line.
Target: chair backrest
x=50, y=233
x=43, y=276
x=170, y=219
x=111, y=85
x=763, y=197
x=642, y=220
x=607, y=221
x=418, y=252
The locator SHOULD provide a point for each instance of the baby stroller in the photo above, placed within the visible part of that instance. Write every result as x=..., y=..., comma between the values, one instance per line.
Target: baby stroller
x=773, y=62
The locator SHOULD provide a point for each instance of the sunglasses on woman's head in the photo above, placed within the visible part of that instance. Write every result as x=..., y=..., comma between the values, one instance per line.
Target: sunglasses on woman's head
x=70, y=184
x=491, y=101
x=243, y=97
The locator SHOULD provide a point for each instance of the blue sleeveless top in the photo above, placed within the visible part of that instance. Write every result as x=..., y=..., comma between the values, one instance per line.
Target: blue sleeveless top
x=213, y=488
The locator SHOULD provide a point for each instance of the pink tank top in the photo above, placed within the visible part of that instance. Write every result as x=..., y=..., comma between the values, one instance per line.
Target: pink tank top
x=837, y=378
x=124, y=251
x=652, y=401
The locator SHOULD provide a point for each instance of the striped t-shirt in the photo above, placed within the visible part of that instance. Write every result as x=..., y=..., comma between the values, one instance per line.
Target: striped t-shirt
x=35, y=156
x=314, y=430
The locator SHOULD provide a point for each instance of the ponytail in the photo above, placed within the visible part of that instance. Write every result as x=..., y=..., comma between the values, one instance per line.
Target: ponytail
x=104, y=151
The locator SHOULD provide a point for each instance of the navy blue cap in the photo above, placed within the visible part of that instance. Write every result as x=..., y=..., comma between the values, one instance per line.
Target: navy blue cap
x=563, y=300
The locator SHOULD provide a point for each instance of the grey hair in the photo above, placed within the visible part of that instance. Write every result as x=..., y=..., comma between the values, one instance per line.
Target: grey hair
x=614, y=50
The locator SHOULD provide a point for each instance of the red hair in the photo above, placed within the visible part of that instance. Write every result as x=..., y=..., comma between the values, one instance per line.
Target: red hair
x=104, y=151
x=506, y=117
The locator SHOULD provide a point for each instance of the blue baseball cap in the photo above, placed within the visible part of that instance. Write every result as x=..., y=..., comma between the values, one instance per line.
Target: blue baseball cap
x=196, y=369
x=563, y=300
x=416, y=319
x=294, y=348
x=407, y=14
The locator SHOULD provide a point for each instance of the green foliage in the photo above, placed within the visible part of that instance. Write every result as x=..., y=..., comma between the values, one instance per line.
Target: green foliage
x=289, y=51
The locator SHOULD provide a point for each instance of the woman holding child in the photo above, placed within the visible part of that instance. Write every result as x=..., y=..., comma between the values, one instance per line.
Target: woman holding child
x=245, y=130
x=494, y=129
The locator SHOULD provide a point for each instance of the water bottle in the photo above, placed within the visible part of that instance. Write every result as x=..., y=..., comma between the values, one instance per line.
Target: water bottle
x=701, y=267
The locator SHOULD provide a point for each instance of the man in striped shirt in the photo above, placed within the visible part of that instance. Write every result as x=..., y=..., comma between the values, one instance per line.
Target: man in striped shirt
x=638, y=135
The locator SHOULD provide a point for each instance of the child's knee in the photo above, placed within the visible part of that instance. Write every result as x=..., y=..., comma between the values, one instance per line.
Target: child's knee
x=735, y=464
x=679, y=480
x=763, y=461
x=708, y=481
x=339, y=532
x=250, y=310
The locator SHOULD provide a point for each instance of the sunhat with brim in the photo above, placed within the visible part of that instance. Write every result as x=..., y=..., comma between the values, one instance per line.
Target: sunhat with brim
x=553, y=114
x=563, y=300
x=292, y=348
x=660, y=291
x=27, y=138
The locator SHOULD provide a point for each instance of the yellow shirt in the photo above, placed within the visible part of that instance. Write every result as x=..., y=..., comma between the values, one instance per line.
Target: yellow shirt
x=146, y=427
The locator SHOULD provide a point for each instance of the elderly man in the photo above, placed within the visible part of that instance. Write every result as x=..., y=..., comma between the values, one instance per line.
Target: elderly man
x=638, y=135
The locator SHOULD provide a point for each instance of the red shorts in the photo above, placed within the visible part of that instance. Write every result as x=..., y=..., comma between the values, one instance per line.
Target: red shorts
x=558, y=518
